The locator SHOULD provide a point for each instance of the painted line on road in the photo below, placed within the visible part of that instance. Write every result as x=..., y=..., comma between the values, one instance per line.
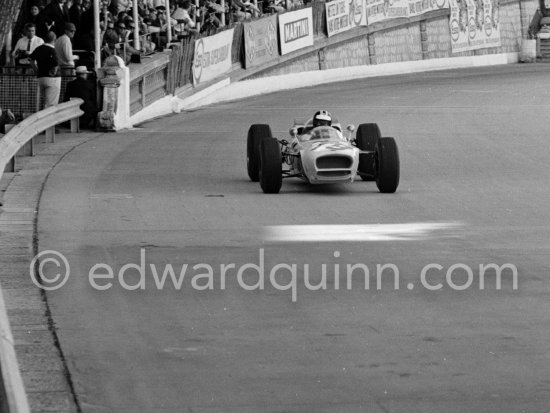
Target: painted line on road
x=111, y=196
x=370, y=232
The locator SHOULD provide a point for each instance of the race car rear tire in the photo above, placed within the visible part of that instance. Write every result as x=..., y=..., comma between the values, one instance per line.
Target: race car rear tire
x=367, y=136
x=387, y=165
x=271, y=175
x=255, y=134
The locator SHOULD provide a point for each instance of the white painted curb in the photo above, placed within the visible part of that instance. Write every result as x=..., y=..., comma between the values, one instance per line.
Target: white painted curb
x=260, y=86
x=16, y=398
x=225, y=91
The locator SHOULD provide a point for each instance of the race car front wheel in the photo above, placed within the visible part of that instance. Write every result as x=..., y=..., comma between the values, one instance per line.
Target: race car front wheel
x=255, y=134
x=387, y=165
x=367, y=136
x=271, y=175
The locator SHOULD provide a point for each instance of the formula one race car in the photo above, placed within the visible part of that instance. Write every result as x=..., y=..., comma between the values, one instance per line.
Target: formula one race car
x=321, y=155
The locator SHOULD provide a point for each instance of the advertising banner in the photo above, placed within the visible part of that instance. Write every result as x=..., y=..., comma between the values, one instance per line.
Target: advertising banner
x=343, y=15
x=380, y=10
x=458, y=22
x=296, y=30
x=417, y=7
x=212, y=56
x=473, y=25
x=491, y=24
x=472, y=29
x=260, y=41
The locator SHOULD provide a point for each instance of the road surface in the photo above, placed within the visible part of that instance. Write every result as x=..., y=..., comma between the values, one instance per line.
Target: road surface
x=474, y=172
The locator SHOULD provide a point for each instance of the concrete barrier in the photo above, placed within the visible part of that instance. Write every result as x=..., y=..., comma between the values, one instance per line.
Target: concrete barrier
x=13, y=398
x=225, y=90
x=260, y=86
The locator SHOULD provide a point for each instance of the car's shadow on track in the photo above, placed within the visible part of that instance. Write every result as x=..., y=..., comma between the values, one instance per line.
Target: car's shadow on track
x=296, y=187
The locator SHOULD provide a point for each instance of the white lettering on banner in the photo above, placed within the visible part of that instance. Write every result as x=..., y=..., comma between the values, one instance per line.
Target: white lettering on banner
x=381, y=10
x=296, y=30
x=343, y=15
x=212, y=56
x=417, y=7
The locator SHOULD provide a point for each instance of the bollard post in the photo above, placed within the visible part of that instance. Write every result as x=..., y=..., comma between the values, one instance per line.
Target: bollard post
x=75, y=123
x=50, y=135
x=110, y=82
x=27, y=149
x=10, y=166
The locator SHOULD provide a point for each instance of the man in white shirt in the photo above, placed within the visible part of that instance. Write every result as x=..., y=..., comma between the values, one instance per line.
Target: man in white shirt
x=64, y=47
x=26, y=45
x=184, y=17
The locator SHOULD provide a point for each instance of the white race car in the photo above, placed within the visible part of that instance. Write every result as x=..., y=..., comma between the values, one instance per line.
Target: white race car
x=321, y=155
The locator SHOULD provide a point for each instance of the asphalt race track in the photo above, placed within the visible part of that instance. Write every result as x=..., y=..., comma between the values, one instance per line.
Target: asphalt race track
x=474, y=173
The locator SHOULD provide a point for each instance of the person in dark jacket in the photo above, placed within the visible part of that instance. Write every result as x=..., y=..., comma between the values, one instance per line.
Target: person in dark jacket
x=42, y=22
x=75, y=12
x=45, y=63
x=82, y=88
x=58, y=12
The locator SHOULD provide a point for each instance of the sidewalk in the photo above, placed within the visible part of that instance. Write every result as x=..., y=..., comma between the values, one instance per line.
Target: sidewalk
x=44, y=372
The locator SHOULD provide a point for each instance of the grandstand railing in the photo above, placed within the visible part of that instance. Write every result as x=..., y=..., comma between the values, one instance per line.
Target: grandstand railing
x=148, y=84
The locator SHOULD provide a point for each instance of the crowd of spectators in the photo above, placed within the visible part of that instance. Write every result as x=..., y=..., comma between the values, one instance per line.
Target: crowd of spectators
x=58, y=38
x=72, y=21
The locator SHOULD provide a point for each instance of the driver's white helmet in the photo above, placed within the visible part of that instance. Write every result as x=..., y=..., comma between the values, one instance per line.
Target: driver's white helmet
x=322, y=118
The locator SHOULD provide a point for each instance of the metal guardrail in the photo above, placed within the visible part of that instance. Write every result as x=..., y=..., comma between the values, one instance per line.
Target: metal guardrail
x=13, y=398
x=45, y=120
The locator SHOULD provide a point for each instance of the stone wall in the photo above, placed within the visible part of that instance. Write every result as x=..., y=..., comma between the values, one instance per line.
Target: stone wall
x=439, y=39
x=353, y=53
x=510, y=27
x=404, y=43
x=303, y=64
x=398, y=45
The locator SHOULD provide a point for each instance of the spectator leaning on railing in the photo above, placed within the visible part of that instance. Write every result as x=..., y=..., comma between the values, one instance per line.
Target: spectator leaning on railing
x=122, y=38
x=110, y=49
x=46, y=65
x=209, y=20
x=26, y=45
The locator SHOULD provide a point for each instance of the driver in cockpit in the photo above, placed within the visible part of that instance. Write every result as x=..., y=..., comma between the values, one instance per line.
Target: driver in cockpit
x=321, y=118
